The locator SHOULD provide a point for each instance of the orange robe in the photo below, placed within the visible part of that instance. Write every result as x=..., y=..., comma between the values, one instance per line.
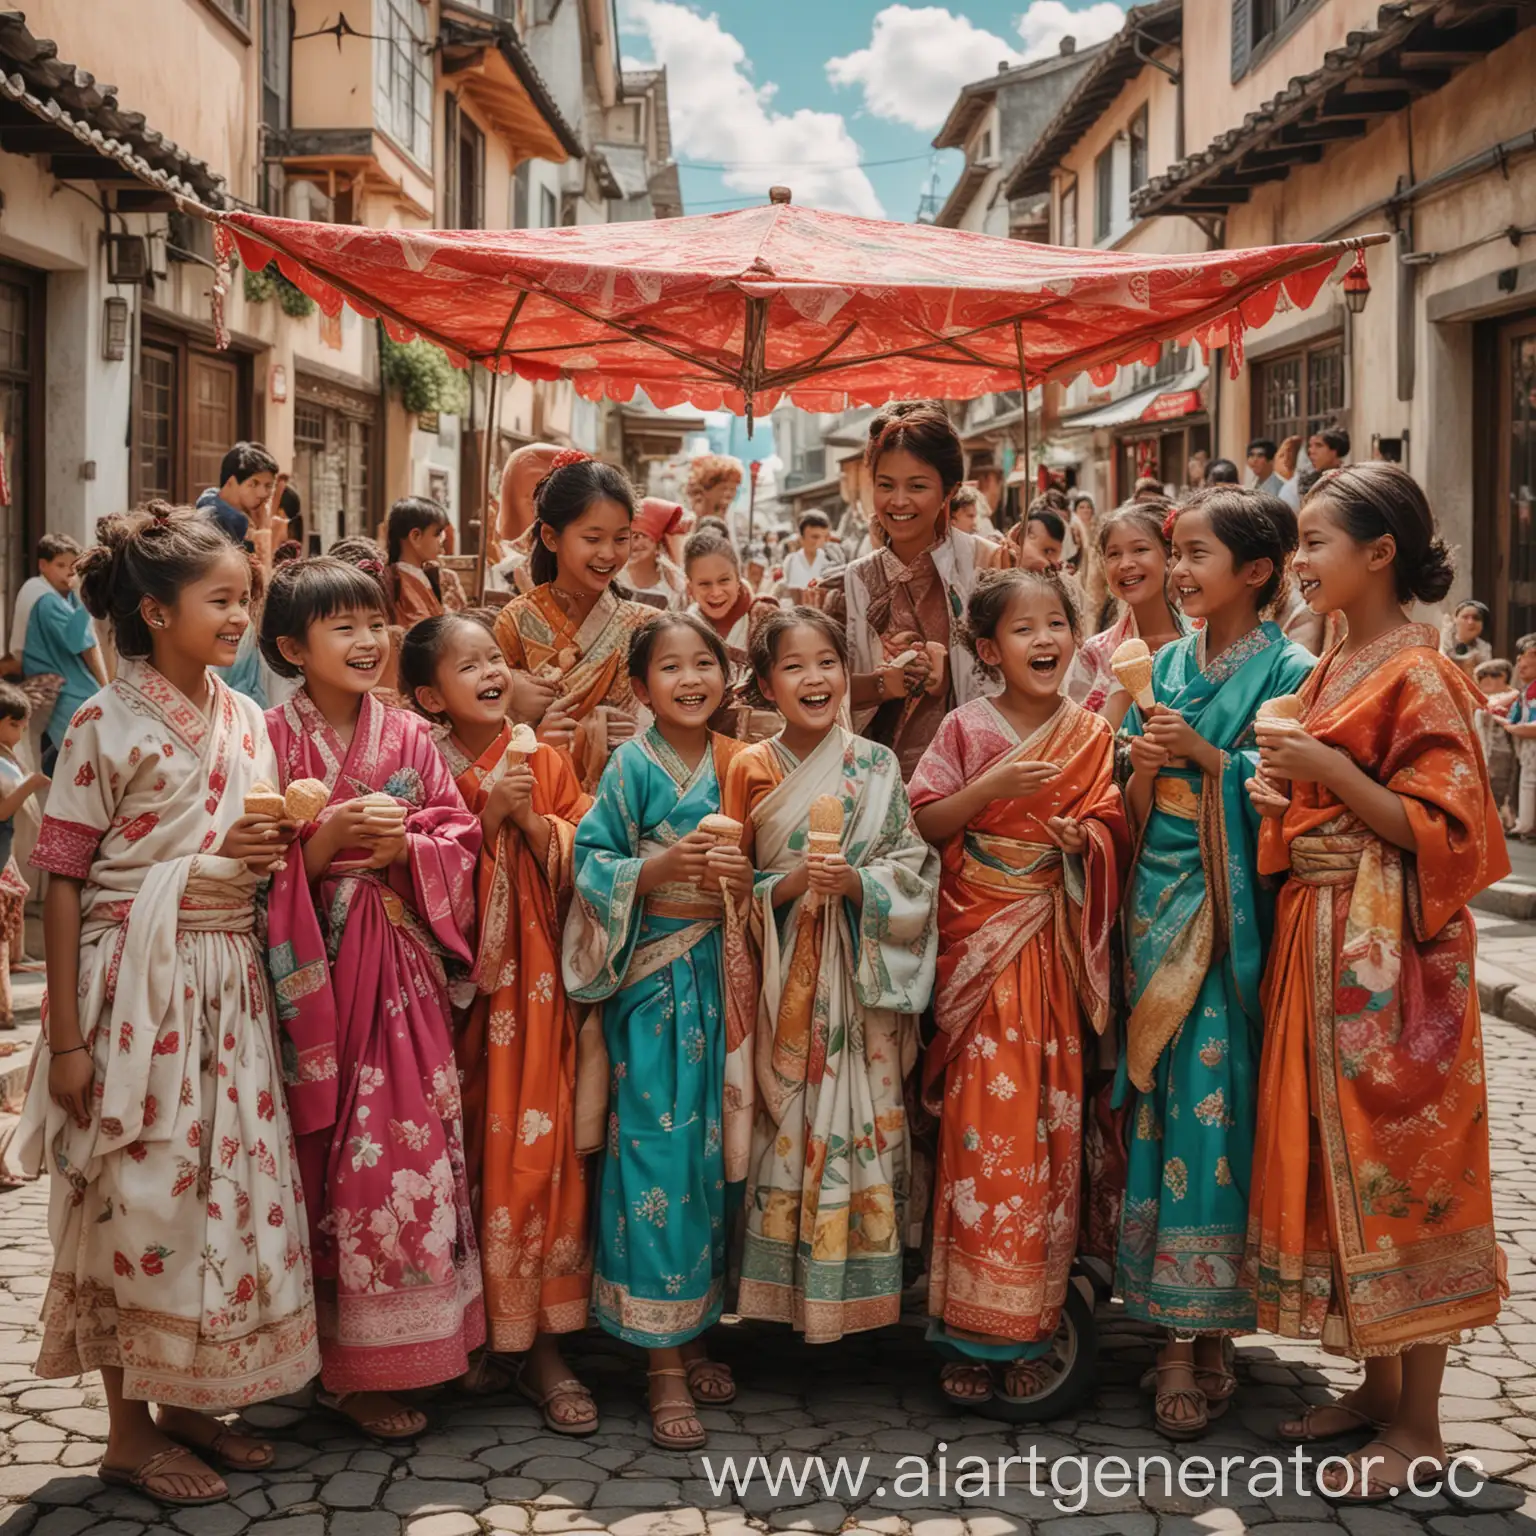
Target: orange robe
x=1021, y=994
x=590, y=665
x=1370, y=1214
x=516, y=1054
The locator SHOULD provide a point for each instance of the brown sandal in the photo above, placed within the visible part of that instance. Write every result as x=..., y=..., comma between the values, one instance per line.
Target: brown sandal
x=710, y=1381
x=1309, y=1436
x=562, y=1392
x=1163, y=1402
x=951, y=1374
x=1217, y=1402
x=684, y=1413
x=216, y=1450
x=376, y=1428
x=1377, y=1488
x=1037, y=1374
x=140, y=1478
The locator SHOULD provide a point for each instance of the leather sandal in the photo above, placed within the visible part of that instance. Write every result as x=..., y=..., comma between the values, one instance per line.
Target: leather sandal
x=1218, y=1383
x=566, y=1391
x=1032, y=1375
x=215, y=1451
x=381, y=1428
x=1310, y=1436
x=959, y=1370
x=710, y=1381
x=142, y=1476
x=1163, y=1402
x=682, y=1413
x=1378, y=1488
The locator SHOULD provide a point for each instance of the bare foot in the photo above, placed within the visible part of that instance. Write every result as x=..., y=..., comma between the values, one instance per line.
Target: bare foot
x=545, y=1376
x=710, y=1381
x=962, y=1383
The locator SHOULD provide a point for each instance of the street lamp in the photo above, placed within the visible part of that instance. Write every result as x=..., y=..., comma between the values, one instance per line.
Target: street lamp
x=1357, y=285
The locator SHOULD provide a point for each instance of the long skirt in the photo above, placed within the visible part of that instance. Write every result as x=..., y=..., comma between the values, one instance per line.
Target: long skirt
x=1186, y=1207
x=182, y=1260
x=661, y=1196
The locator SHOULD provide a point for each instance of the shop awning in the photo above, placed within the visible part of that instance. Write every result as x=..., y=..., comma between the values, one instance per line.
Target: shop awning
x=1168, y=401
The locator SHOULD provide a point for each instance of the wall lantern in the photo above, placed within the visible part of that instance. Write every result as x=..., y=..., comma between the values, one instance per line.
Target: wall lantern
x=114, y=329
x=1357, y=285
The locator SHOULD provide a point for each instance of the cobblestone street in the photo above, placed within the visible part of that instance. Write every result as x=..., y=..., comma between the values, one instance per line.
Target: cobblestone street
x=489, y=1465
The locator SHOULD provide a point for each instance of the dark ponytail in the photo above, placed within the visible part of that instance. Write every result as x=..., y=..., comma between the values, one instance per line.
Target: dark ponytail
x=562, y=496
x=1369, y=501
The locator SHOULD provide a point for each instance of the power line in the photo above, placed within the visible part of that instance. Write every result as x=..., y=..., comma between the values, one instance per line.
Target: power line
x=804, y=165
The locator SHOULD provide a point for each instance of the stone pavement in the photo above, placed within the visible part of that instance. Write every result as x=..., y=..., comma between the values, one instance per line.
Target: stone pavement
x=489, y=1467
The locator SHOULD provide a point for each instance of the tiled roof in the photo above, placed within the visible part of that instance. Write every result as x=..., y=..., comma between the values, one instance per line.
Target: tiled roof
x=1120, y=61
x=91, y=123
x=1316, y=107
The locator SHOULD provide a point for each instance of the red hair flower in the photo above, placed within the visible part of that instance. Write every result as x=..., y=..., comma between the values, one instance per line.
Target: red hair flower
x=1169, y=521
x=569, y=456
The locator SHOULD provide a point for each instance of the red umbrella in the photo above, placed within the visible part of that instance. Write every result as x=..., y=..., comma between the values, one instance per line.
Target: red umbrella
x=734, y=310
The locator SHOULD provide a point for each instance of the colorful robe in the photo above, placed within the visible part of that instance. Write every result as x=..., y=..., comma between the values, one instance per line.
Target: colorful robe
x=59, y=634
x=1022, y=990
x=413, y=597
x=888, y=607
x=381, y=1151
x=177, y=1220
x=1197, y=929
x=1371, y=1222
x=828, y=1186
x=517, y=1063
x=590, y=664
x=676, y=986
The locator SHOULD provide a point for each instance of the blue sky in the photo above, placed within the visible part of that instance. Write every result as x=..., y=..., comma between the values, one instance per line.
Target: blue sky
x=814, y=92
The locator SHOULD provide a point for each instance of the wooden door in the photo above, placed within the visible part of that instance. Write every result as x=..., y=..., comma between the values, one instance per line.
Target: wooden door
x=213, y=417
x=1515, y=465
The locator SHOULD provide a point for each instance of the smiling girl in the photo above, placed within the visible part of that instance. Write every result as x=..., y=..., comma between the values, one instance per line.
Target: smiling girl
x=655, y=936
x=567, y=640
x=1018, y=793
x=361, y=930
x=1133, y=556
x=517, y=1046
x=156, y=1102
x=848, y=943
x=1372, y=1215
x=906, y=599
x=1197, y=929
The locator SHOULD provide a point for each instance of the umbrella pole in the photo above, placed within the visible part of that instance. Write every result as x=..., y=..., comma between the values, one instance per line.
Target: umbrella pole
x=487, y=452
x=1018, y=343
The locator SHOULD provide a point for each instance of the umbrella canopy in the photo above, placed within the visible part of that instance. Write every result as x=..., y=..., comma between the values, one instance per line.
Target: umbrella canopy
x=734, y=310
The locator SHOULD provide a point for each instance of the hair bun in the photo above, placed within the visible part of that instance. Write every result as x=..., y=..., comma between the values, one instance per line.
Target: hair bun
x=1436, y=572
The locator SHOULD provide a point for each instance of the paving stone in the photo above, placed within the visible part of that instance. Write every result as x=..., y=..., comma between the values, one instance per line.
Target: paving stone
x=64, y=1522
x=375, y=1522
x=634, y=1493
x=290, y=1525
x=554, y=1469
x=509, y=1490
x=556, y=1520
x=286, y=1495
x=36, y=1429
x=506, y=1517
x=351, y=1490
x=444, y=1525
x=43, y=1485
x=411, y=1496
x=82, y=1421
x=570, y=1494
x=211, y=1520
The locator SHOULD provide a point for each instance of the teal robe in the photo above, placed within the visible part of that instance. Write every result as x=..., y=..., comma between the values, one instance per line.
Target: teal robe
x=659, y=1263
x=1198, y=924
x=59, y=634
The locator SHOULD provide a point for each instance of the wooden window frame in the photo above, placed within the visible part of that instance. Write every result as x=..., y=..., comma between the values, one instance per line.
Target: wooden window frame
x=1104, y=205
x=1140, y=120
x=1261, y=424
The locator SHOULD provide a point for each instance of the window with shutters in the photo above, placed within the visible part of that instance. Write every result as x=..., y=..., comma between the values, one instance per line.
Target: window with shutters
x=402, y=77
x=464, y=168
x=1104, y=193
x=1067, y=232
x=1257, y=25
x=1139, y=171
x=1297, y=394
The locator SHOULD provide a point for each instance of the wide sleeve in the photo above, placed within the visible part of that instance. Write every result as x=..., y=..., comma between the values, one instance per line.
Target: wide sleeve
x=443, y=839
x=1435, y=765
x=895, y=932
x=509, y=640
x=604, y=921
x=86, y=788
x=941, y=770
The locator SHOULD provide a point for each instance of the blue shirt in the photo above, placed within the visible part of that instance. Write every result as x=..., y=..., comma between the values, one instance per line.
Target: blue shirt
x=58, y=636
x=234, y=522
x=11, y=777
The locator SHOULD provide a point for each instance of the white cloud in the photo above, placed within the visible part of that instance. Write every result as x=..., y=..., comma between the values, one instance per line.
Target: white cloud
x=919, y=57
x=720, y=116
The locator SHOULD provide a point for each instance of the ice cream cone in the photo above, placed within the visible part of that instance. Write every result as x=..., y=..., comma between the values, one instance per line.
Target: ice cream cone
x=824, y=833
x=1132, y=665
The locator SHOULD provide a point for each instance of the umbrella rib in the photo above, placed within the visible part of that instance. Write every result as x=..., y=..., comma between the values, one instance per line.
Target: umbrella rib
x=812, y=362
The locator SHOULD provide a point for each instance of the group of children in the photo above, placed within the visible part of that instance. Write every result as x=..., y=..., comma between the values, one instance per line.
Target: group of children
x=655, y=964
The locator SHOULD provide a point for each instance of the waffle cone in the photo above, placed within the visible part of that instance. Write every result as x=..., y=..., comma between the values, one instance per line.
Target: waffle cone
x=1132, y=665
x=262, y=800
x=305, y=799
x=1285, y=706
